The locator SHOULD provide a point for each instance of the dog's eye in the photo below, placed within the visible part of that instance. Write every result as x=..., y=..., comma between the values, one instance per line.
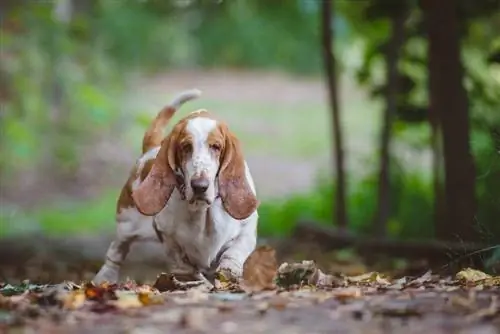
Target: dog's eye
x=215, y=147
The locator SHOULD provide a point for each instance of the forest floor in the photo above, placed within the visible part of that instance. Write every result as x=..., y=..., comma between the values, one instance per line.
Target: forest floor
x=294, y=298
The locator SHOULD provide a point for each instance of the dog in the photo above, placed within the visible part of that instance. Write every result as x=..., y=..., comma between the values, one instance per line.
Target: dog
x=192, y=191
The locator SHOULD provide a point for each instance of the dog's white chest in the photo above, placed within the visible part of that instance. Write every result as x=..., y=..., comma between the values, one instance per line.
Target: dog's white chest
x=199, y=236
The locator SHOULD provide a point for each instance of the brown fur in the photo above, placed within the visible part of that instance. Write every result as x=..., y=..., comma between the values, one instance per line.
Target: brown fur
x=236, y=194
x=154, y=134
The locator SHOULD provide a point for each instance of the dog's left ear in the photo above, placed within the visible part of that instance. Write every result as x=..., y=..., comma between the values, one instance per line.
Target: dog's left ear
x=237, y=196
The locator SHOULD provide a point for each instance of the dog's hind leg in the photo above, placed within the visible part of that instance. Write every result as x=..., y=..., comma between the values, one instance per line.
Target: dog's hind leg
x=131, y=227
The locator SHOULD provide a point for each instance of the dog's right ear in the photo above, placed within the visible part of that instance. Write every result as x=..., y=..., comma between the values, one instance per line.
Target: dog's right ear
x=155, y=191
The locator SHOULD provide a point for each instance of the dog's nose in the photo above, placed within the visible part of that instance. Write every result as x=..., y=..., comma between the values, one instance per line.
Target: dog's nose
x=199, y=185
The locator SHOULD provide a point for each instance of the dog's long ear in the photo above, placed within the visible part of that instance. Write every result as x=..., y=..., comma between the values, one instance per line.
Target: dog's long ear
x=155, y=191
x=237, y=196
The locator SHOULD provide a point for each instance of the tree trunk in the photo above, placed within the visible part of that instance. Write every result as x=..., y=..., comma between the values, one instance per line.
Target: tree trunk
x=328, y=35
x=448, y=100
x=384, y=183
x=437, y=171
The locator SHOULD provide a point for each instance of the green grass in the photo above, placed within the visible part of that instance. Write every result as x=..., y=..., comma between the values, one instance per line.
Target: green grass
x=64, y=218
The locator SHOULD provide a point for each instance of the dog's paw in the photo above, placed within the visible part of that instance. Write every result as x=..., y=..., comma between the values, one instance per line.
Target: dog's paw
x=106, y=274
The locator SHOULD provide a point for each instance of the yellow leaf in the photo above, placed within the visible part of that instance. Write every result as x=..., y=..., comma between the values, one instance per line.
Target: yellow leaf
x=147, y=298
x=74, y=300
x=470, y=275
x=126, y=301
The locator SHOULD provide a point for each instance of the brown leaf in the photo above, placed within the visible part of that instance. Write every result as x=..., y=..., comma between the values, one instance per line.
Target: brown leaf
x=259, y=270
x=164, y=282
x=99, y=293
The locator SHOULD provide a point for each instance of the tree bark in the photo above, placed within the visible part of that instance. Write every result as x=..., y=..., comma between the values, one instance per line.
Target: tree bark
x=328, y=35
x=448, y=99
x=437, y=170
x=384, y=183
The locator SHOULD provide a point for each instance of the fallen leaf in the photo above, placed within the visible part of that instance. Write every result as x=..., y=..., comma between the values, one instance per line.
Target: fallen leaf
x=225, y=280
x=164, y=282
x=472, y=275
x=149, y=298
x=372, y=277
x=259, y=270
x=74, y=300
x=99, y=293
x=296, y=273
x=127, y=301
x=417, y=282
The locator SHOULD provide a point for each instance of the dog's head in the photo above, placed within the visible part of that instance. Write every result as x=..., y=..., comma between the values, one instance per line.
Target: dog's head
x=203, y=159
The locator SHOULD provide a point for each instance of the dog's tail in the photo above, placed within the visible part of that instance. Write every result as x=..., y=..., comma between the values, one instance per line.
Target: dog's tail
x=154, y=134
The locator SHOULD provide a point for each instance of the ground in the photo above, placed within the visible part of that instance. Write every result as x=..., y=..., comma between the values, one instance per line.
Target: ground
x=294, y=298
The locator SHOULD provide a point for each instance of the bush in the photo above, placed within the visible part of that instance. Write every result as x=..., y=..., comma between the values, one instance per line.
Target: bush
x=411, y=213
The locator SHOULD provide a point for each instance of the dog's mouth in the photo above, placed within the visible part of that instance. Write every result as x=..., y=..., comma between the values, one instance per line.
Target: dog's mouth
x=199, y=200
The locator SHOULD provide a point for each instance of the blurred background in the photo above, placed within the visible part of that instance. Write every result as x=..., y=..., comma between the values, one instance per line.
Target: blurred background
x=368, y=124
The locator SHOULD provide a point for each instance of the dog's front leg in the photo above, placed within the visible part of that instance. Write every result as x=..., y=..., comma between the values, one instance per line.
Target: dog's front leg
x=232, y=259
x=178, y=264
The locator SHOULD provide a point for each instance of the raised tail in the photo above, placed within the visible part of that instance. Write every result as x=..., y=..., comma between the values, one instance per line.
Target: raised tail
x=154, y=134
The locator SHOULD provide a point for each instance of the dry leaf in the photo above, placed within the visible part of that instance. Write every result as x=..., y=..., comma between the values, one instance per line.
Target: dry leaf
x=74, y=300
x=297, y=273
x=149, y=298
x=126, y=301
x=470, y=275
x=164, y=282
x=259, y=270
x=425, y=278
x=225, y=280
x=372, y=277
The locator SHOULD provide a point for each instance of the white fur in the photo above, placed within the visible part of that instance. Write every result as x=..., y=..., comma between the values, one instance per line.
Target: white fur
x=203, y=162
x=193, y=243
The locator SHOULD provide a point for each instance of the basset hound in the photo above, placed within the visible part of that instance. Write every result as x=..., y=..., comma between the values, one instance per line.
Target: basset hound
x=191, y=190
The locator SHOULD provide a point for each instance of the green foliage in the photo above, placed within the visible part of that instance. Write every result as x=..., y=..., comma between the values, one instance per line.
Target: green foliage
x=64, y=217
x=410, y=213
x=254, y=34
x=61, y=91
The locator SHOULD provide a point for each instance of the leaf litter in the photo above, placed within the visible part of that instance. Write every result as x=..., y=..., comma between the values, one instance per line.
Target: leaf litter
x=264, y=288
